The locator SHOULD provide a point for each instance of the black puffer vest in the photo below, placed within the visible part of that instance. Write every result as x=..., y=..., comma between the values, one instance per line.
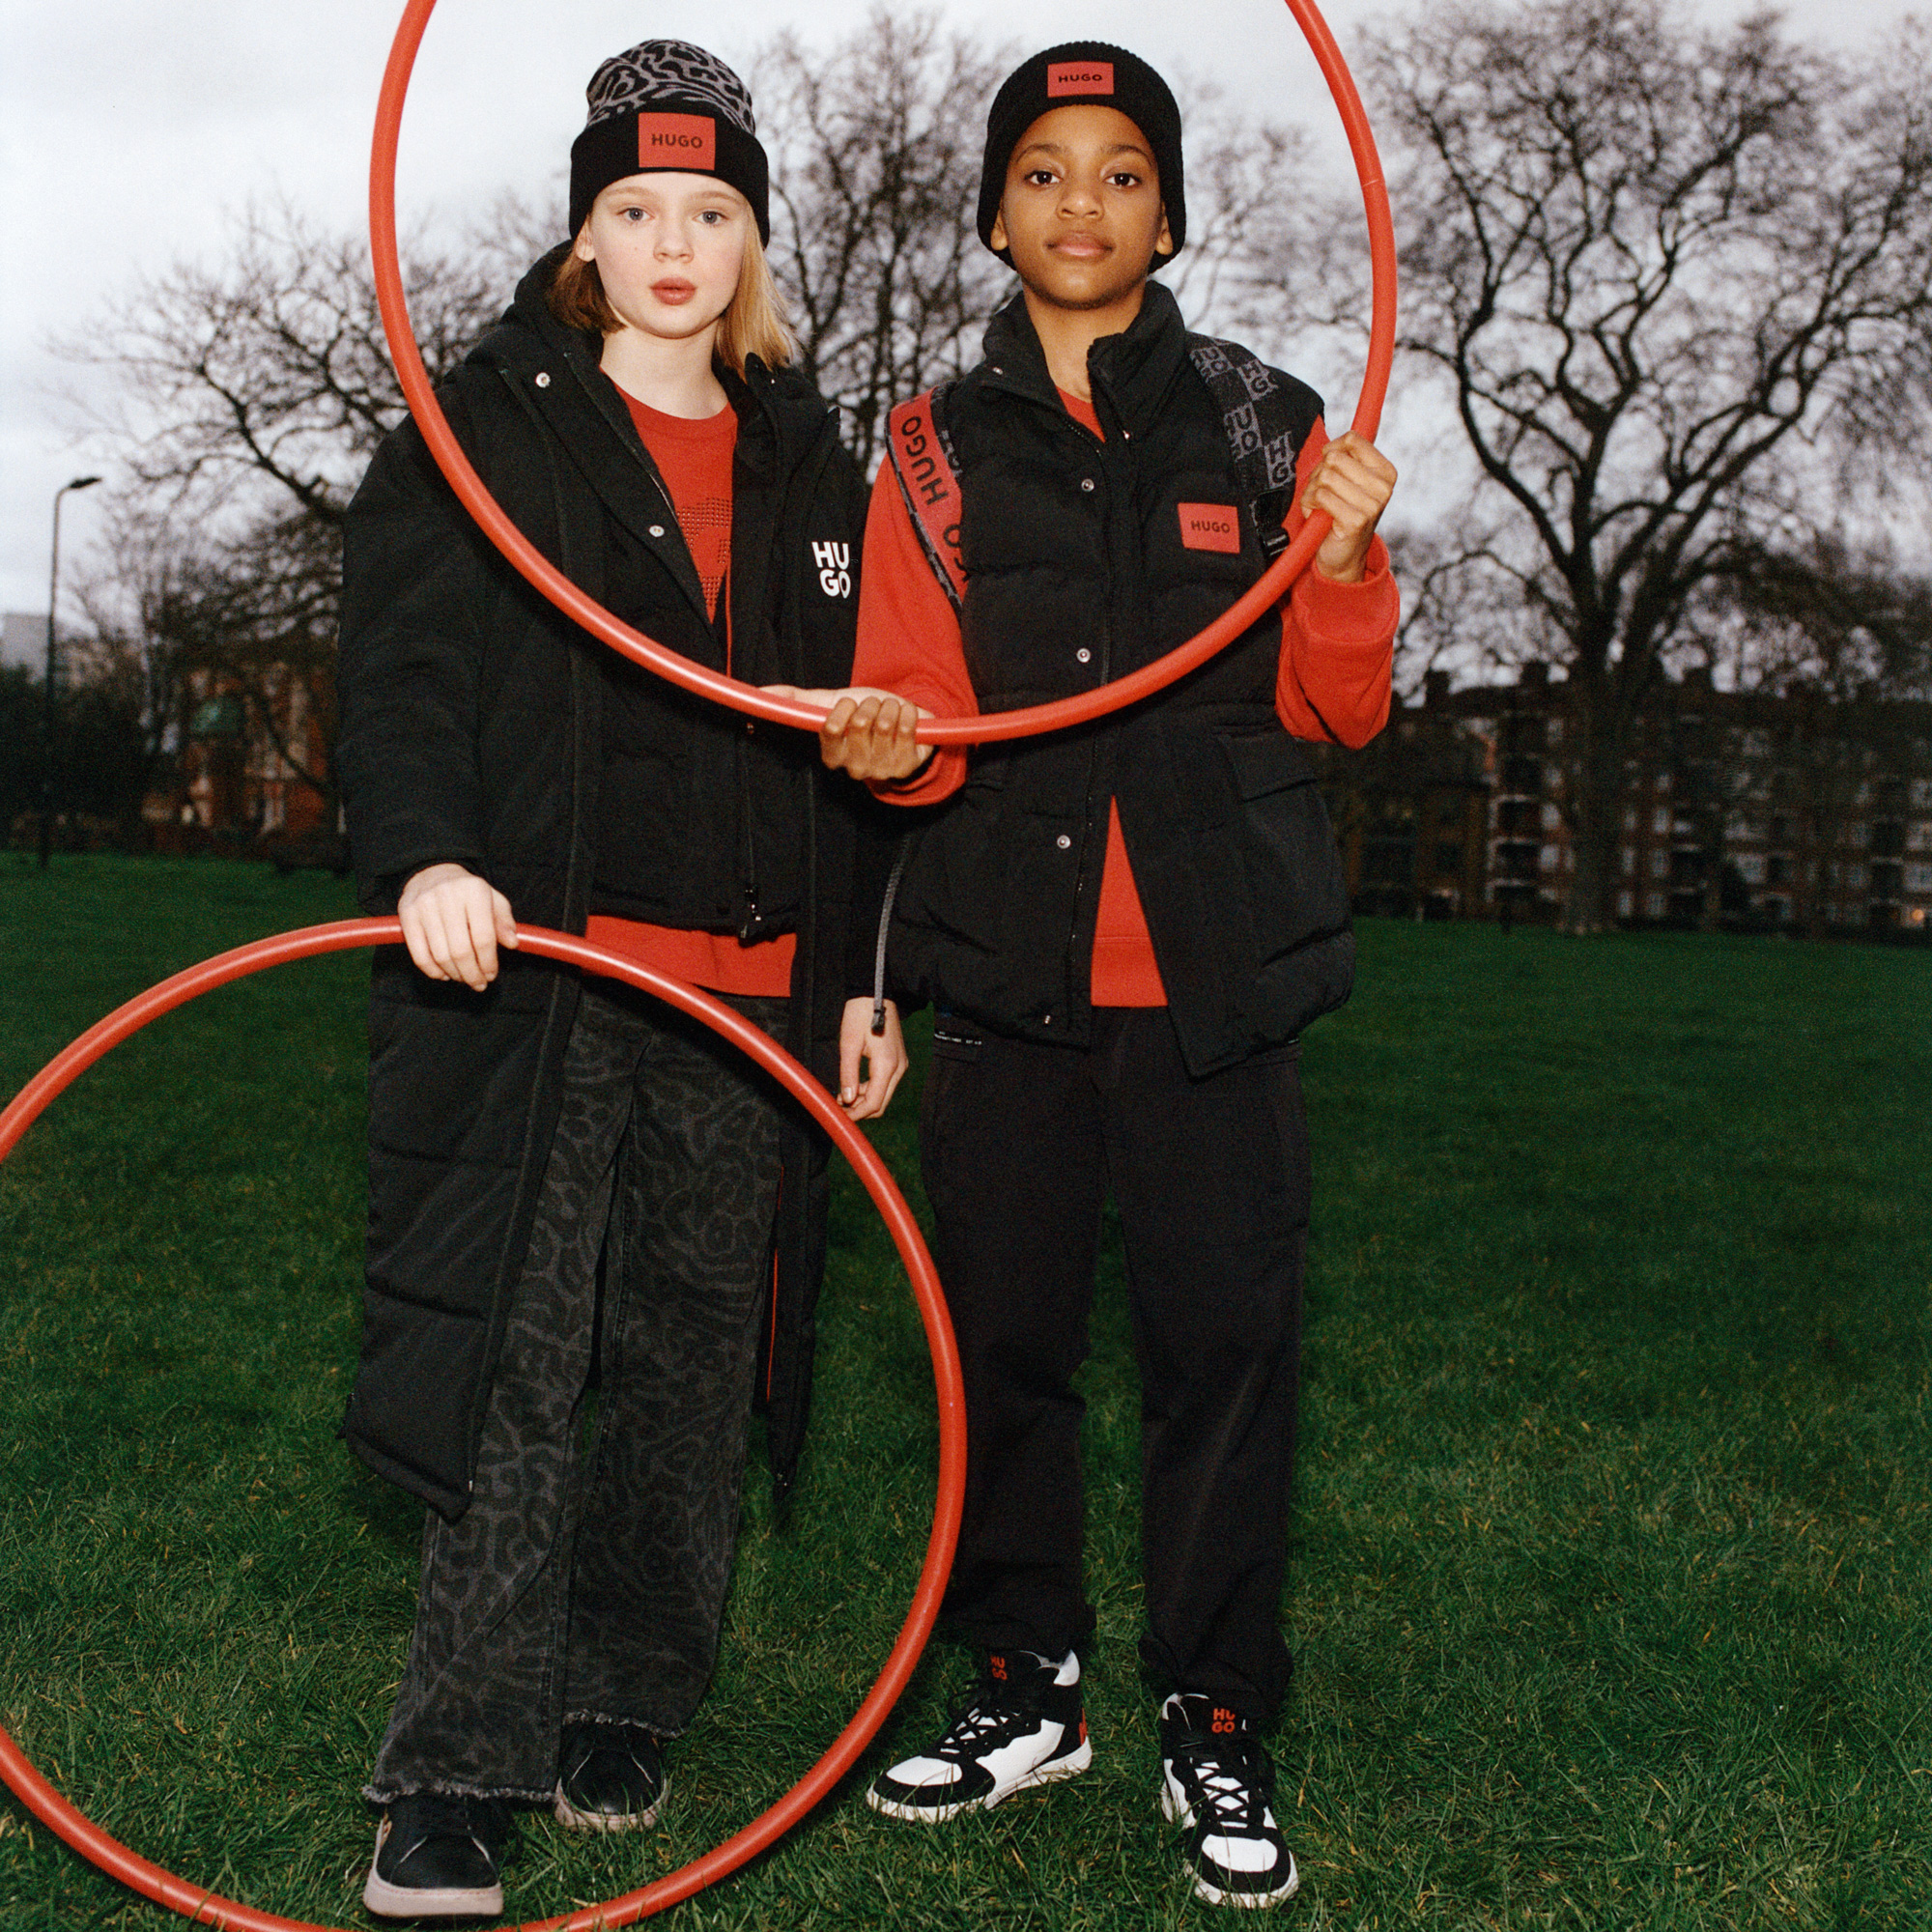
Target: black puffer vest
x=1086, y=559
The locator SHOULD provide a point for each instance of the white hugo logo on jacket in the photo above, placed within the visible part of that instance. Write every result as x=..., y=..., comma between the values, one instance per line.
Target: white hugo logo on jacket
x=834, y=568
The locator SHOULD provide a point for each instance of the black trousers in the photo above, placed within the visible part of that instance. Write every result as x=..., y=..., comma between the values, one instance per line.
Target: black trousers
x=588, y=1577
x=1020, y=1145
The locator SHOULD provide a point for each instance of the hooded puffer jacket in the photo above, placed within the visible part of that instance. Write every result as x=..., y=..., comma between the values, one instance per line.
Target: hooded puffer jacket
x=479, y=726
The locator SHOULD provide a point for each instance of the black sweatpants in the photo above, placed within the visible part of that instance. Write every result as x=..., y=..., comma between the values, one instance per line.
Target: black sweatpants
x=588, y=1578
x=1020, y=1145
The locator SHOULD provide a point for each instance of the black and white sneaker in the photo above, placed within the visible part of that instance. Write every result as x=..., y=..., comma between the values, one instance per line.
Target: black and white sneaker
x=1023, y=1726
x=438, y=1856
x=1217, y=1782
x=611, y=1777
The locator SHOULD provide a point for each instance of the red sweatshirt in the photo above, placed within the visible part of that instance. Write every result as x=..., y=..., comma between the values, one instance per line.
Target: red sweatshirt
x=1337, y=652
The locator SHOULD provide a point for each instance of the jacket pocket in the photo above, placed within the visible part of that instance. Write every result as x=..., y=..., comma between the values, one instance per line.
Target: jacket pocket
x=1296, y=894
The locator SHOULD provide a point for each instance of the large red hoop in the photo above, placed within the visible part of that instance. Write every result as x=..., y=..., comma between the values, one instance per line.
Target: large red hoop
x=591, y=615
x=207, y=1908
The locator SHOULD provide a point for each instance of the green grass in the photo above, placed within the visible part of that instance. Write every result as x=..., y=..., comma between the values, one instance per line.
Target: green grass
x=1609, y=1587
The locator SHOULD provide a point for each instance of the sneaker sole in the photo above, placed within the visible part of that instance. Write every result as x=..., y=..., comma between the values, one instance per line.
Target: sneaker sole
x=404, y=1901
x=573, y=1820
x=1074, y=1762
x=1205, y=1888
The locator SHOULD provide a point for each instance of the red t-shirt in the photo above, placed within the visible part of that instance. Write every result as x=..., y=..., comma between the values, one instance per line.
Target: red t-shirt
x=1337, y=655
x=693, y=457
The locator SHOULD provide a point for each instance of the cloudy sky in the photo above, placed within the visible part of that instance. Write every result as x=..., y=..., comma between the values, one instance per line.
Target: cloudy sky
x=130, y=133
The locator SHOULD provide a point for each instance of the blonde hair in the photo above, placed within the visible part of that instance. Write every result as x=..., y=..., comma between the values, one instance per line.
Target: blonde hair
x=753, y=322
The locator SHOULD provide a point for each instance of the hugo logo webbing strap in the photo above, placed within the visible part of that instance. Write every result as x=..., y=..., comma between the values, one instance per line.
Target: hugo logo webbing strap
x=1268, y=419
x=922, y=458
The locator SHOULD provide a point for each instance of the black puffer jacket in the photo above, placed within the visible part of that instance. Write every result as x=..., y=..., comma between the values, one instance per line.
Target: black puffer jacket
x=1084, y=561
x=474, y=730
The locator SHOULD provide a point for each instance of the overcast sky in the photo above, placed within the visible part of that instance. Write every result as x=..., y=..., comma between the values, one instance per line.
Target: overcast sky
x=130, y=132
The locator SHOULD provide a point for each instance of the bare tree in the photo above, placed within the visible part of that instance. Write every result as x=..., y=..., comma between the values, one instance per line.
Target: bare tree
x=266, y=378
x=875, y=169
x=1663, y=276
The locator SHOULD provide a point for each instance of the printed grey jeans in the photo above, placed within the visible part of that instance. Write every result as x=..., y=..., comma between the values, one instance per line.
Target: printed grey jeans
x=588, y=1577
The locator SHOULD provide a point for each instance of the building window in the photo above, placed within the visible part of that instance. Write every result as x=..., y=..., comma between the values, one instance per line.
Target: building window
x=1624, y=903
x=1858, y=833
x=1550, y=858
x=1629, y=818
x=1661, y=821
x=1751, y=868
x=1660, y=867
x=1663, y=784
x=1654, y=905
x=1855, y=878
x=1920, y=837
x=1629, y=862
x=1918, y=878
x=1551, y=819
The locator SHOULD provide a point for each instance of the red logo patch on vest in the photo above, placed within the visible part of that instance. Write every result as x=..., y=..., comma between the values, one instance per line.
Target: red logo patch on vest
x=1210, y=526
x=677, y=141
x=1064, y=78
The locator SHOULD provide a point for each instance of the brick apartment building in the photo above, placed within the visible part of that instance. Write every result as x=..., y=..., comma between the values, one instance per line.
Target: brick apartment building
x=233, y=780
x=1739, y=809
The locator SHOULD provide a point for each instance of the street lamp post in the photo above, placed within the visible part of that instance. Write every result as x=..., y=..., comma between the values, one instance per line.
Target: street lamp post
x=47, y=695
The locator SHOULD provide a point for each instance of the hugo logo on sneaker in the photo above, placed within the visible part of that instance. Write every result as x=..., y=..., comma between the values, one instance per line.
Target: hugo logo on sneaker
x=996, y=1667
x=688, y=140
x=1224, y=1722
x=1063, y=78
x=1210, y=526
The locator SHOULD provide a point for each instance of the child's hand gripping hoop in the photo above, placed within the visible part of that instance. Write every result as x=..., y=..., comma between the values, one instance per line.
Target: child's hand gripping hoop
x=680, y=670
x=204, y=1907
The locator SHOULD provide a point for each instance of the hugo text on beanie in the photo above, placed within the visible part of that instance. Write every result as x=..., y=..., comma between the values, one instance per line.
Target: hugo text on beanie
x=1076, y=73
x=665, y=106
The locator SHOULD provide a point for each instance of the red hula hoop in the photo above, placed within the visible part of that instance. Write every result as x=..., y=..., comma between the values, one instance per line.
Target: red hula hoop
x=207, y=1908
x=681, y=670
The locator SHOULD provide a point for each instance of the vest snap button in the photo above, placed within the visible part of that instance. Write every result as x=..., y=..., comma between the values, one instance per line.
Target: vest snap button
x=657, y=529
x=1086, y=482
x=543, y=378
x=1084, y=656
x=1064, y=842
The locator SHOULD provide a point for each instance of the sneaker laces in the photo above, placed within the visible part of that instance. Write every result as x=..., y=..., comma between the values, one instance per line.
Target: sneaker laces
x=485, y=1822
x=1235, y=1781
x=996, y=1707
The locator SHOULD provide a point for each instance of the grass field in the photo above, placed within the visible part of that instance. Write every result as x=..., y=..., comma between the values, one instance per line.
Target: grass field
x=1610, y=1587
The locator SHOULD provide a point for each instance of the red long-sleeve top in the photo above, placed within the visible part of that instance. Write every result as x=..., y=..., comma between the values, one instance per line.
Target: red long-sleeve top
x=1337, y=654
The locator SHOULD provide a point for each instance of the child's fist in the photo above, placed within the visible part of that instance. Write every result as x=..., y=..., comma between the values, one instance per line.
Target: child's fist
x=1353, y=481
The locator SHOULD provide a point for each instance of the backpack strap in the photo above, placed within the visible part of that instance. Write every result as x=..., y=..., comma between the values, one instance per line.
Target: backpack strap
x=928, y=479
x=1267, y=416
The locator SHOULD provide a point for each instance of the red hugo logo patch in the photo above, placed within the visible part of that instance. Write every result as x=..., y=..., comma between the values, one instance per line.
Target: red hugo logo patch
x=677, y=141
x=1064, y=78
x=1210, y=526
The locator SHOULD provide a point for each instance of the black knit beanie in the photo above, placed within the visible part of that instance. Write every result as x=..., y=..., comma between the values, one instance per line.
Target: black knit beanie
x=1065, y=76
x=665, y=106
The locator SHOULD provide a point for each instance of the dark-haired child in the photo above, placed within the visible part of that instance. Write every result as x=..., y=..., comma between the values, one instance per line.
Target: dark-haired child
x=1124, y=929
x=572, y=1186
